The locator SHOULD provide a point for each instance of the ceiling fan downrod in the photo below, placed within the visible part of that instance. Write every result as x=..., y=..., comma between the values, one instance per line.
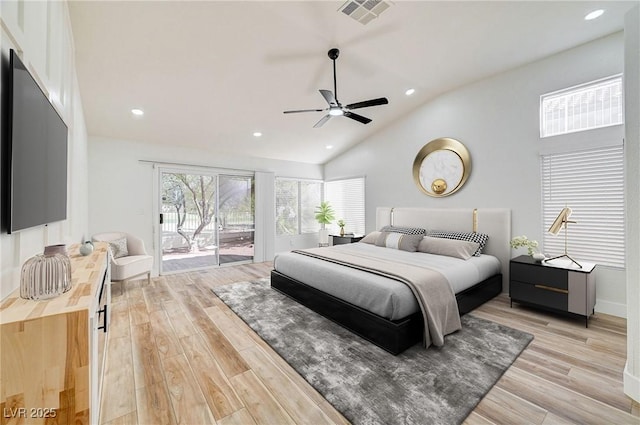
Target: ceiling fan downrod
x=333, y=55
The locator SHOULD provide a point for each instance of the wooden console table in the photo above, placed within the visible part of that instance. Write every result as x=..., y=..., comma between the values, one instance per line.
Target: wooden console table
x=52, y=351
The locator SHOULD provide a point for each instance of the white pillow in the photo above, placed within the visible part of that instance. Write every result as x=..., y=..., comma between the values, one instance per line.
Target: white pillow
x=449, y=247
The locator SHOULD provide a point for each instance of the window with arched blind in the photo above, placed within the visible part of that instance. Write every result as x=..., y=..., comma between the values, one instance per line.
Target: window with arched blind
x=584, y=107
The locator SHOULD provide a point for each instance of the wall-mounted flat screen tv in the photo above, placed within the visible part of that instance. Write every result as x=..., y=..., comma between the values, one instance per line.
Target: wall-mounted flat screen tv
x=37, y=138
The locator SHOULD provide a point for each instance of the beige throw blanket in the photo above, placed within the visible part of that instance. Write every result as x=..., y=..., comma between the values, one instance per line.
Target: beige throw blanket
x=432, y=290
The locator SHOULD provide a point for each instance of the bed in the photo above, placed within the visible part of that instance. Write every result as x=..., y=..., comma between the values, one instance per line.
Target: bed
x=393, y=320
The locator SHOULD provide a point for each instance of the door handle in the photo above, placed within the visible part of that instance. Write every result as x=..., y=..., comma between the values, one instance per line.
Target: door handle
x=161, y=218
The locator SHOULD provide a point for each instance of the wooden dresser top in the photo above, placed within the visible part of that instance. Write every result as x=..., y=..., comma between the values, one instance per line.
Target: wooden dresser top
x=86, y=275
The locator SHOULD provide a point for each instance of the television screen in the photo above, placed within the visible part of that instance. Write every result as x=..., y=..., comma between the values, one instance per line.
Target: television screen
x=38, y=153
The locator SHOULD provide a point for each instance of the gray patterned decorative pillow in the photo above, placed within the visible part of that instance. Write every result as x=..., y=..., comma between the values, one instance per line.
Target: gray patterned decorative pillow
x=449, y=247
x=119, y=247
x=399, y=241
x=404, y=230
x=480, y=238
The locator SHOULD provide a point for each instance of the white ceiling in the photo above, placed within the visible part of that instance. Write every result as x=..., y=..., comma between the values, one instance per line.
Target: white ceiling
x=210, y=73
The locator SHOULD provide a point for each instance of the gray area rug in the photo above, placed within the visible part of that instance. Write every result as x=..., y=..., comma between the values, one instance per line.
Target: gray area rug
x=367, y=384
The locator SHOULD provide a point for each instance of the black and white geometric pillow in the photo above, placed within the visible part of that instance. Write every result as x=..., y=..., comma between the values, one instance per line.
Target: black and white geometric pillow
x=480, y=238
x=404, y=230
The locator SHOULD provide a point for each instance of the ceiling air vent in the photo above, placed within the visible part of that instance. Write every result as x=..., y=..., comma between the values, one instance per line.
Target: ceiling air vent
x=364, y=11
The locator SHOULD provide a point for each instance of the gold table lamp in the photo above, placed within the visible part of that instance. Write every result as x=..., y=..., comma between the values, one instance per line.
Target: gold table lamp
x=561, y=221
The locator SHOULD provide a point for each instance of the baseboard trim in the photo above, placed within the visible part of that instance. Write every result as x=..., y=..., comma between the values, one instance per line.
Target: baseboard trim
x=609, y=307
x=631, y=384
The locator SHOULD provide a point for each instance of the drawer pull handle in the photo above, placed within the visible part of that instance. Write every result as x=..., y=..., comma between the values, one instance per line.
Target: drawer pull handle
x=551, y=288
x=103, y=312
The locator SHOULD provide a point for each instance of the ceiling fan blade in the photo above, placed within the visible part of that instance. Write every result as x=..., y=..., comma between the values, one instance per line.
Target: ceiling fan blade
x=367, y=103
x=359, y=118
x=329, y=97
x=322, y=121
x=303, y=110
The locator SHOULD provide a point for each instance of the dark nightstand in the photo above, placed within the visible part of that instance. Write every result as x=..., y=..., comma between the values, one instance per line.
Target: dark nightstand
x=341, y=240
x=557, y=285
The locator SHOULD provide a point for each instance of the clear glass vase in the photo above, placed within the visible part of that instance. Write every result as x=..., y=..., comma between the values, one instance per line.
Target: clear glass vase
x=45, y=276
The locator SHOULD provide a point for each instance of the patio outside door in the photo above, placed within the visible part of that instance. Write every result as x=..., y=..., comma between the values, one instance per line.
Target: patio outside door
x=206, y=220
x=236, y=210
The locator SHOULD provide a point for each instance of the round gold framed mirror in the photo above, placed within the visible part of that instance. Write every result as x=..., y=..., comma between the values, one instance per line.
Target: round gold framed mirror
x=441, y=167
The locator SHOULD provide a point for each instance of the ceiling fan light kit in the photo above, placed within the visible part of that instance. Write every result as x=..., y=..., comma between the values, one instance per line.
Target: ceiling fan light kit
x=335, y=107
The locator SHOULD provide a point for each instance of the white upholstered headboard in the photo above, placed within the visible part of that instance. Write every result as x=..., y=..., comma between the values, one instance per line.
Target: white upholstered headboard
x=495, y=222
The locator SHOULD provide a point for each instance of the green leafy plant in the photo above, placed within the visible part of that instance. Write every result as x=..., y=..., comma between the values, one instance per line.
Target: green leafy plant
x=524, y=242
x=324, y=213
x=341, y=223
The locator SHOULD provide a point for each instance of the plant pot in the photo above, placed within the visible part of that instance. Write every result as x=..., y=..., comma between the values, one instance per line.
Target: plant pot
x=323, y=237
x=538, y=256
x=342, y=231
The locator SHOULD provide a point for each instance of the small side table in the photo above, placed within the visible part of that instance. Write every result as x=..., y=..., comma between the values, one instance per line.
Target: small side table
x=556, y=285
x=341, y=240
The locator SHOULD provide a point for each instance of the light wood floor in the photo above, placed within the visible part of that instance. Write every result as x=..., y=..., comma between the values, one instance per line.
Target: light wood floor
x=177, y=354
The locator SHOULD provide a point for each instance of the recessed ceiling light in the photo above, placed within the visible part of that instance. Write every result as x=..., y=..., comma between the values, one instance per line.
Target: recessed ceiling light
x=593, y=15
x=409, y=92
x=137, y=112
x=257, y=134
x=329, y=146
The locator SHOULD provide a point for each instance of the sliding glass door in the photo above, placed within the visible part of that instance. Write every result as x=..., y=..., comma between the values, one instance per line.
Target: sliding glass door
x=236, y=206
x=206, y=219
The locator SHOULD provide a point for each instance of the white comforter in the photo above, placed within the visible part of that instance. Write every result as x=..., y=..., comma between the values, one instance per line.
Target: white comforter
x=382, y=296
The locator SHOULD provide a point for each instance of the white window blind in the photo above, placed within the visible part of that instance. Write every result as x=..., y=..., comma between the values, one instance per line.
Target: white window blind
x=584, y=107
x=347, y=199
x=591, y=183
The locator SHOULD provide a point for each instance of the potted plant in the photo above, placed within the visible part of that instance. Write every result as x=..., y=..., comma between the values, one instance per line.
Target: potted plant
x=524, y=242
x=341, y=224
x=324, y=215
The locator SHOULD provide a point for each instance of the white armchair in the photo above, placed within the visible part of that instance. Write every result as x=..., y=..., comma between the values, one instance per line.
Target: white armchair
x=129, y=258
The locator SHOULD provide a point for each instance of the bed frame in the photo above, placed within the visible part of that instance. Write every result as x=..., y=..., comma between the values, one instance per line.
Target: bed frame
x=396, y=336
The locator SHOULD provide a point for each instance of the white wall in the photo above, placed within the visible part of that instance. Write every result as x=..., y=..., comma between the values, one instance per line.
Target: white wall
x=497, y=120
x=123, y=193
x=632, y=198
x=41, y=33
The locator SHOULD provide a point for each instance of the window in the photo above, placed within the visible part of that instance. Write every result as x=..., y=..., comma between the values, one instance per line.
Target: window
x=347, y=199
x=591, y=183
x=310, y=198
x=296, y=201
x=584, y=107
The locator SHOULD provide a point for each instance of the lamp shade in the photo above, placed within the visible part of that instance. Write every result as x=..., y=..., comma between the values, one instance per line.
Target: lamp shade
x=560, y=219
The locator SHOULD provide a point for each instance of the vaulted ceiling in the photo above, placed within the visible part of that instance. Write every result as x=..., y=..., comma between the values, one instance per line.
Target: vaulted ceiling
x=209, y=74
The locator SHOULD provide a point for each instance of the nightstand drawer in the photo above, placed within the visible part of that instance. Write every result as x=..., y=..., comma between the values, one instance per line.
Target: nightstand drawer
x=535, y=274
x=540, y=294
x=342, y=240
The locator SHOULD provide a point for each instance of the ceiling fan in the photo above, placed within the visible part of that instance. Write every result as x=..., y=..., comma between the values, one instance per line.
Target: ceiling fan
x=335, y=107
